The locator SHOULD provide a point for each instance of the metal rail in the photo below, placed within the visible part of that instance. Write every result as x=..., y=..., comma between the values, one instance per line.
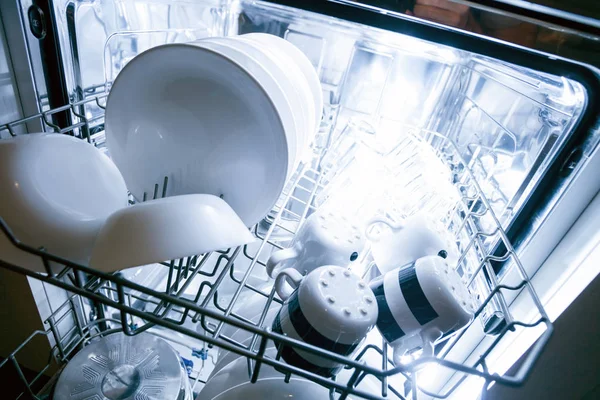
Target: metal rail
x=205, y=289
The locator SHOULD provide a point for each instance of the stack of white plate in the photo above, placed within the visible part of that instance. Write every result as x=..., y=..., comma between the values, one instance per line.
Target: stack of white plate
x=228, y=116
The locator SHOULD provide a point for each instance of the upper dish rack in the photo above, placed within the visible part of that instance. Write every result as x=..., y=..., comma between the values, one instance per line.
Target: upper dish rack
x=204, y=290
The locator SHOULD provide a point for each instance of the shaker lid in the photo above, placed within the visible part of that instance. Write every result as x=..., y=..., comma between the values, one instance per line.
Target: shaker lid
x=338, y=304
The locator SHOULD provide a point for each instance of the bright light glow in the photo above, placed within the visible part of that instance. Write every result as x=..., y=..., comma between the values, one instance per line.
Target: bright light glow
x=469, y=389
x=428, y=377
x=575, y=279
x=570, y=95
x=412, y=177
x=564, y=275
x=406, y=359
x=372, y=173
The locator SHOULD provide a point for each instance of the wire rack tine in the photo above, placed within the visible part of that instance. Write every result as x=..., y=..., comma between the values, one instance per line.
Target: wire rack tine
x=171, y=310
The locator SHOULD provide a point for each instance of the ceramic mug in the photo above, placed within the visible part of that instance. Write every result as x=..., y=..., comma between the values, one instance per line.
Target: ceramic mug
x=330, y=308
x=408, y=241
x=325, y=238
x=420, y=302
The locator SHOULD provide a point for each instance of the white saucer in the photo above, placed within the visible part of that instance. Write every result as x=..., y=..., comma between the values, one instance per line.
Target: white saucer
x=308, y=70
x=275, y=83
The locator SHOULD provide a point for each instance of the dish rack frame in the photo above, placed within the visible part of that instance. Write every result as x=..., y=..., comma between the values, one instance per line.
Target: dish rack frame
x=170, y=310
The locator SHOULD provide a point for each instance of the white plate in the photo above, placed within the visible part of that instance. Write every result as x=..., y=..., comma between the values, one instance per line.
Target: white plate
x=275, y=84
x=289, y=76
x=232, y=382
x=275, y=389
x=306, y=67
x=204, y=121
x=56, y=193
x=167, y=229
x=290, y=71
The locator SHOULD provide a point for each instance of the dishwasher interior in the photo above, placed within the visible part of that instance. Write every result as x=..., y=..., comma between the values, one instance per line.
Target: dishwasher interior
x=465, y=138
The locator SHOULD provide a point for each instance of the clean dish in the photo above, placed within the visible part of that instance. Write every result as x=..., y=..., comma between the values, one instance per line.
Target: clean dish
x=291, y=70
x=232, y=382
x=122, y=367
x=276, y=388
x=368, y=384
x=308, y=70
x=166, y=229
x=304, y=111
x=275, y=83
x=207, y=122
x=46, y=201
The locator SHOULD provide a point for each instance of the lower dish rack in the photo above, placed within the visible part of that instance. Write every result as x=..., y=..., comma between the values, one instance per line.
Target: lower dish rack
x=197, y=297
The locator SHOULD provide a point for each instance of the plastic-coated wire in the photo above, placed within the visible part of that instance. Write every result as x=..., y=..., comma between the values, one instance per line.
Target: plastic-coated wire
x=116, y=292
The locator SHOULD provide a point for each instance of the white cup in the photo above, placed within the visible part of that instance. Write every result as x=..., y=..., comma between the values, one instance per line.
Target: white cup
x=420, y=302
x=325, y=238
x=404, y=242
x=330, y=308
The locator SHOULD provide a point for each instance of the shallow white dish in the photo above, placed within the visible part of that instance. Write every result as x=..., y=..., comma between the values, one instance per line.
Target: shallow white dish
x=368, y=384
x=306, y=67
x=276, y=389
x=206, y=122
x=166, y=229
x=274, y=82
x=232, y=382
x=56, y=193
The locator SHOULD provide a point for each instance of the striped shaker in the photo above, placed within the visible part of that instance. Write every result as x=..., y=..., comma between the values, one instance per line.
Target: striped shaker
x=419, y=302
x=331, y=308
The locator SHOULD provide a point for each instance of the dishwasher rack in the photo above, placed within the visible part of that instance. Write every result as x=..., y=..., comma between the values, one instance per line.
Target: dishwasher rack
x=99, y=302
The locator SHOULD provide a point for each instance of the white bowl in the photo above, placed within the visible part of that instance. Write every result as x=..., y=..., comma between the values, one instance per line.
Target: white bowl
x=306, y=67
x=207, y=122
x=288, y=75
x=232, y=382
x=166, y=229
x=290, y=70
x=276, y=389
x=56, y=193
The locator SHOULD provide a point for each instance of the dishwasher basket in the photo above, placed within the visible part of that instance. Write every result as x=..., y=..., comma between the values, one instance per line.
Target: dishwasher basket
x=100, y=303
